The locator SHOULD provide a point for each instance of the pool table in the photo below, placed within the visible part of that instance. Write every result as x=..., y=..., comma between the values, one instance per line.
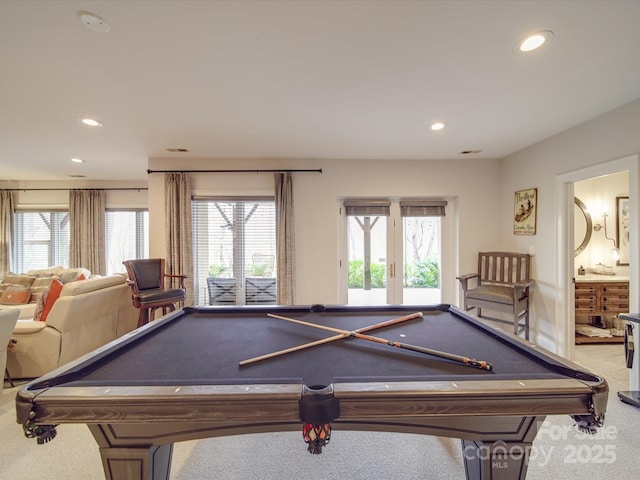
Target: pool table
x=179, y=378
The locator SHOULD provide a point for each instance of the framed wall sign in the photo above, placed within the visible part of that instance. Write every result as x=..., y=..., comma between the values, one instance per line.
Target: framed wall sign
x=622, y=229
x=525, y=206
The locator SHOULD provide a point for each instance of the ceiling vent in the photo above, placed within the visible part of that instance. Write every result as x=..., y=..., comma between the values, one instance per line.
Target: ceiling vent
x=179, y=150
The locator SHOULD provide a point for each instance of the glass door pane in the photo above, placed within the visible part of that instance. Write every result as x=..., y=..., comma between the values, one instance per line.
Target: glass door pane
x=422, y=260
x=367, y=245
x=234, y=252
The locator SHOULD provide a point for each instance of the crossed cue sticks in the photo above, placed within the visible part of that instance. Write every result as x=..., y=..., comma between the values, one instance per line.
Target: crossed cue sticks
x=360, y=333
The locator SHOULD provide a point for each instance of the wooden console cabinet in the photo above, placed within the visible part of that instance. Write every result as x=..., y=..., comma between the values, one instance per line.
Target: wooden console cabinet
x=597, y=298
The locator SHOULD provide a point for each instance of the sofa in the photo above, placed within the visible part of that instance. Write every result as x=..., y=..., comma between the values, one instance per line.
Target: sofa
x=8, y=319
x=30, y=285
x=87, y=314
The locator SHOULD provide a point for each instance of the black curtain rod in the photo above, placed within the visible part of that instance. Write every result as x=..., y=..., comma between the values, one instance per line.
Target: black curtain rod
x=283, y=170
x=67, y=189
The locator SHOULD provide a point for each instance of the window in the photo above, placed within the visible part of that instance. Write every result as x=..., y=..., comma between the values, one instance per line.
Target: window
x=394, y=251
x=40, y=239
x=127, y=237
x=234, y=245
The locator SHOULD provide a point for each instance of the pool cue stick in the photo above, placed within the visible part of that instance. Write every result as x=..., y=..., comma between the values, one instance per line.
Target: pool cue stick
x=322, y=341
x=449, y=356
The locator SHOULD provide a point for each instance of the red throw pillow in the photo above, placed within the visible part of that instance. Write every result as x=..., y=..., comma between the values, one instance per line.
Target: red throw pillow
x=81, y=277
x=52, y=296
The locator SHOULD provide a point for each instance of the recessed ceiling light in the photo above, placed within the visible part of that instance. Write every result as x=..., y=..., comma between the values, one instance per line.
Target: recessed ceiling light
x=535, y=41
x=94, y=22
x=91, y=122
x=437, y=126
x=77, y=160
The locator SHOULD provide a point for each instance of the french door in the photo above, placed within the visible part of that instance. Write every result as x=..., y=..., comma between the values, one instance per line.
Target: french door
x=394, y=253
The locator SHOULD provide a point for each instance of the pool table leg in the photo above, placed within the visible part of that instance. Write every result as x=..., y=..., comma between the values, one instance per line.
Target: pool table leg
x=152, y=463
x=144, y=462
x=495, y=460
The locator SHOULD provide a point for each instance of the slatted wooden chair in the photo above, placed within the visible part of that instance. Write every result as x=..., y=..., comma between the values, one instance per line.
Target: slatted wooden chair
x=502, y=283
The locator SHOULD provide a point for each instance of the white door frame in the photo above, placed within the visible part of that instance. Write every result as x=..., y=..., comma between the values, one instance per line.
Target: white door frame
x=564, y=227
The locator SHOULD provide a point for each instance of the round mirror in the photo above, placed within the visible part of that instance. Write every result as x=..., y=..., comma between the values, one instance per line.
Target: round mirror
x=583, y=226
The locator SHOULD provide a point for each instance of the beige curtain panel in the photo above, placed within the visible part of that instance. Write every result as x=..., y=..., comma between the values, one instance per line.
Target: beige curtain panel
x=87, y=223
x=285, y=238
x=6, y=229
x=179, y=256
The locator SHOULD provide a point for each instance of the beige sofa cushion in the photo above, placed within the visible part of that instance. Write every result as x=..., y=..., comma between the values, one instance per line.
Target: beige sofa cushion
x=26, y=311
x=14, y=280
x=46, y=272
x=80, y=287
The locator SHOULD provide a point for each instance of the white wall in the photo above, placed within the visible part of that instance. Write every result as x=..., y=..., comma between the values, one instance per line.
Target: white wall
x=472, y=186
x=609, y=137
x=481, y=191
x=36, y=194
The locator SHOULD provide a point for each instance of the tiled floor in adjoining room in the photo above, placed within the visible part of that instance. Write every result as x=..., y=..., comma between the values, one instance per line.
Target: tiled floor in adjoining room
x=605, y=359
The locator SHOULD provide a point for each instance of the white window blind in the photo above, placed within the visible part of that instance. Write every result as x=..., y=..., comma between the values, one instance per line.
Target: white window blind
x=40, y=239
x=127, y=237
x=233, y=238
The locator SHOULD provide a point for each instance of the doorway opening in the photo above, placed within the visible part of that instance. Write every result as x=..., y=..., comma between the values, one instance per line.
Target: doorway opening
x=566, y=244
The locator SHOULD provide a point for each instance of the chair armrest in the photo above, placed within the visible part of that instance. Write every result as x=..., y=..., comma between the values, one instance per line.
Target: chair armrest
x=467, y=276
x=464, y=279
x=525, y=284
x=181, y=277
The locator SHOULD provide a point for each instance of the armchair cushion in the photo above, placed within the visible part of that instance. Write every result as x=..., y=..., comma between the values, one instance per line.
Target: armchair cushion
x=159, y=294
x=492, y=293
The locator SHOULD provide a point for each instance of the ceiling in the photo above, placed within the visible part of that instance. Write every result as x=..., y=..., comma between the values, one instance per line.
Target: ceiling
x=300, y=80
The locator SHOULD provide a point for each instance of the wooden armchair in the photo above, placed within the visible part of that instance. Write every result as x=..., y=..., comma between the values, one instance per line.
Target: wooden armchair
x=501, y=284
x=148, y=292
